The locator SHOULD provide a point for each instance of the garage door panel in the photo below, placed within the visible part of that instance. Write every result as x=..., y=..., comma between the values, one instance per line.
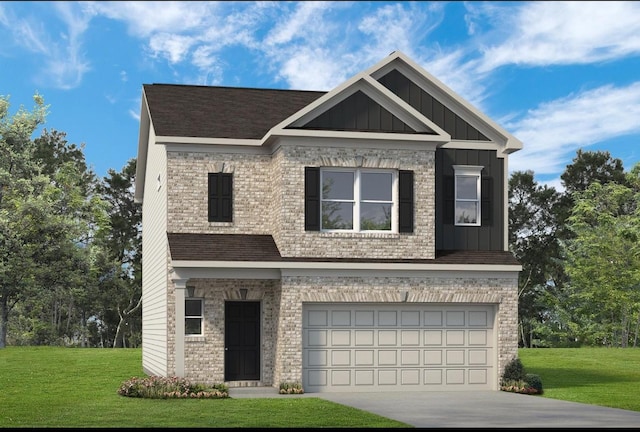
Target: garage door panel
x=364, y=318
x=387, y=338
x=340, y=337
x=355, y=347
x=454, y=337
x=410, y=337
x=387, y=318
x=363, y=337
x=341, y=318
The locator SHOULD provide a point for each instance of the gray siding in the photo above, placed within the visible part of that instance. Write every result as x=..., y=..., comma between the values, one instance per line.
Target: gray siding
x=154, y=263
x=431, y=108
x=490, y=235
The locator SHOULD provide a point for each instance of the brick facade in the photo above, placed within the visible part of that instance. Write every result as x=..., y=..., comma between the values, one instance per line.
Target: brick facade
x=281, y=309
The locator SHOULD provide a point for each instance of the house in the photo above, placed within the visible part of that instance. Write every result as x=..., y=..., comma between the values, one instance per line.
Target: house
x=350, y=240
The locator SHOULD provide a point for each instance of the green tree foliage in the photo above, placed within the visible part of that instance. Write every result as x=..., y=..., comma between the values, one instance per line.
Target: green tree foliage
x=22, y=201
x=603, y=261
x=533, y=239
x=47, y=215
x=119, y=263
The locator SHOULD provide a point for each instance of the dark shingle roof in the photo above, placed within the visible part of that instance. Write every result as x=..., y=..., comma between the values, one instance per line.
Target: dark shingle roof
x=248, y=247
x=221, y=112
x=223, y=247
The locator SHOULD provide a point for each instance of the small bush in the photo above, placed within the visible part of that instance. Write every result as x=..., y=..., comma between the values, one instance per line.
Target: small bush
x=516, y=380
x=291, y=388
x=156, y=387
x=514, y=370
x=534, y=381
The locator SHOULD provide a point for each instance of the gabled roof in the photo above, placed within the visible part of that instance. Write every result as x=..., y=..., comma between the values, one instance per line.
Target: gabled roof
x=187, y=114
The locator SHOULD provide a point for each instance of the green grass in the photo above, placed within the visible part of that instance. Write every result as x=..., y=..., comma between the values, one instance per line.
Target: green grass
x=597, y=376
x=75, y=387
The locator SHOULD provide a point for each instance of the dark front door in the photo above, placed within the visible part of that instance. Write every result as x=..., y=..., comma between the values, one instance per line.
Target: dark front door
x=241, y=341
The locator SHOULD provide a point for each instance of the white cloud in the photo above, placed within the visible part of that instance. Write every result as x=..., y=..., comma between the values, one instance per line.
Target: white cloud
x=145, y=19
x=545, y=33
x=172, y=47
x=554, y=131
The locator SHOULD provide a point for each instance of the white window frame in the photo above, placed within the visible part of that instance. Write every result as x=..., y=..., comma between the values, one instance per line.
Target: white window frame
x=467, y=171
x=201, y=316
x=357, y=201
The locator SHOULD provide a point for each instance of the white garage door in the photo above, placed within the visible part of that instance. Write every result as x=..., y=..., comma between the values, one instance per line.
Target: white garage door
x=365, y=347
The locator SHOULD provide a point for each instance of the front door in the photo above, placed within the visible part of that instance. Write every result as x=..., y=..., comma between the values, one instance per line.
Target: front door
x=242, y=341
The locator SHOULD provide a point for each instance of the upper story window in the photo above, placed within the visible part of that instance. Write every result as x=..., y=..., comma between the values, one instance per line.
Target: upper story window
x=193, y=316
x=467, y=195
x=358, y=199
x=220, y=197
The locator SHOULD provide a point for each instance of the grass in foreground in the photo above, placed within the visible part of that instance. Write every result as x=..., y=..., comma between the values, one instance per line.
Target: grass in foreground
x=597, y=376
x=75, y=387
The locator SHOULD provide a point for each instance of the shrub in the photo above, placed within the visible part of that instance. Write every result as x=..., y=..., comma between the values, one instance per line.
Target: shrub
x=291, y=388
x=156, y=387
x=534, y=381
x=514, y=370
x=516, y=380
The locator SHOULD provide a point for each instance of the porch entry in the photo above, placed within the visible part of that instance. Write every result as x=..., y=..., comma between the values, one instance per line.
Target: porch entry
x=241, y=340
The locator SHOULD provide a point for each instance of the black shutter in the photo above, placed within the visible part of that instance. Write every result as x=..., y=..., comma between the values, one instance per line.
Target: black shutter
x=220, y=197
x=312, y=199
x=449, y=201
x=405, y=201
x=486, y=193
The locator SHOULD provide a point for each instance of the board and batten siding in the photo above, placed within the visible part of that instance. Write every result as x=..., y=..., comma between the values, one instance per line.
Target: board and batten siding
x=489, y=236
x=154, y=262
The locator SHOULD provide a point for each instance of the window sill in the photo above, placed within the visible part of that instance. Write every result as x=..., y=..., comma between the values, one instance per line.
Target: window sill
x=189, y=338
x=360, y=235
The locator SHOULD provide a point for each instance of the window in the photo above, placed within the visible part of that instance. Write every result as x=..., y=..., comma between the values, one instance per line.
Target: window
x=467, y=195
x=357, y=200
x=220, y=197
x=193, y=316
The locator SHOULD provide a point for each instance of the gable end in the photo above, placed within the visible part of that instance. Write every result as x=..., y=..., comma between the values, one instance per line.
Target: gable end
x=430, y=107
x=360, y=113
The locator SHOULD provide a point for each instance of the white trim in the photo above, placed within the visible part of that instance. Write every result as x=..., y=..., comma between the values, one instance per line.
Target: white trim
x=208, y=141
x=357, y=200
x=179, y=265
x=387, y=136
x=213, y=271
x=179, y=295
x=467, y=171
x=201, y=317
x=448, y=98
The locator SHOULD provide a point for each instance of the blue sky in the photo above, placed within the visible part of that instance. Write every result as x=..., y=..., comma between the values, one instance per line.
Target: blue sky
x=560, y=76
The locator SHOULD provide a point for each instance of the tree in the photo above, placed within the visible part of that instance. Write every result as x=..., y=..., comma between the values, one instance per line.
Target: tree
x=120, y=259
x=20, y=185
x=603, y=260
x=532, y=238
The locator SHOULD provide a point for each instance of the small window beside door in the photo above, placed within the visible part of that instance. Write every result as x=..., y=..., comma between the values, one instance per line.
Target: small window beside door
x=193, y=316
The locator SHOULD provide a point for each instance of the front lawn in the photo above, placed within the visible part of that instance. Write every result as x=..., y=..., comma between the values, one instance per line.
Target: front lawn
x=76, y=387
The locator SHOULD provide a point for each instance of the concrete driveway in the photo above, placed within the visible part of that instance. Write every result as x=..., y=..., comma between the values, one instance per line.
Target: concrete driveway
x=490, y=409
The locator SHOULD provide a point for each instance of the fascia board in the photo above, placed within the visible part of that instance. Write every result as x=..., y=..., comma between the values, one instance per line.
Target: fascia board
x=297, y=265
x=186, y=273
x=460, y=106
x=360, y=135
x=208, y=141
x=143, y=148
